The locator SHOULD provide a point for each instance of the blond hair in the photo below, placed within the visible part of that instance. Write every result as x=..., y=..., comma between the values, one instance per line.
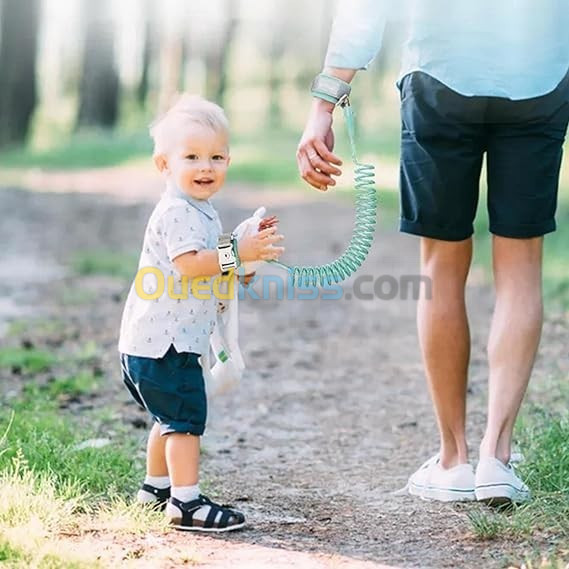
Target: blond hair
x=188, y=109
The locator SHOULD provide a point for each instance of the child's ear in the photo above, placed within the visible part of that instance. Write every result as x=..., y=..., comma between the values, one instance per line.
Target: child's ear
x=228, y=160
x=161, y=162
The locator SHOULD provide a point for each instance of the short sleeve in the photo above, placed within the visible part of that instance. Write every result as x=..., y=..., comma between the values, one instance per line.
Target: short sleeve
x=182, y=230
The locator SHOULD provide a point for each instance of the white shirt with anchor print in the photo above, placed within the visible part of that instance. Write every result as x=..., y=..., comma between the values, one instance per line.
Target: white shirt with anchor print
x=177, y=225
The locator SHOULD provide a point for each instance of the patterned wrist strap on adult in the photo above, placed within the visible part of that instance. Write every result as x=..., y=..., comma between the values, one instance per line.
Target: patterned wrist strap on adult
x=330, y=88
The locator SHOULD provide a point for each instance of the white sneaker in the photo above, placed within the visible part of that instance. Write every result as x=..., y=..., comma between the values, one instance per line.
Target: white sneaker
x=497, y=483
x=433, y=482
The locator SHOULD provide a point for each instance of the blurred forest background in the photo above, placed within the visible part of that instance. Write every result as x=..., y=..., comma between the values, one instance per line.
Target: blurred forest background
x=76, y=73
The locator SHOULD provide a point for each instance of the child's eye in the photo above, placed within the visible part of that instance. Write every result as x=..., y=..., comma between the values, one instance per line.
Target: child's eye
x=218, y=157
x=192, y=157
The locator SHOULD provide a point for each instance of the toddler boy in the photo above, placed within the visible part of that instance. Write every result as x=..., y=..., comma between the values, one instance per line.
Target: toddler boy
x=166, y=327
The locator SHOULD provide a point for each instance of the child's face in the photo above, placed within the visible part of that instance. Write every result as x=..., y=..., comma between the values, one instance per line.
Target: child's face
x=199, y=162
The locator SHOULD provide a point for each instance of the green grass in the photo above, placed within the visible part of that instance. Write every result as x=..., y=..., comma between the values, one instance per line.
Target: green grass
x=74, y=296
x=17, y=558
x=26, y=360
x=103, y=262
x=49, y=487
x=265, y=157
x=82, y=383
x=45, y=439
x=543, y=437
x=10, y=553
x=92, y=150
x=43, y=326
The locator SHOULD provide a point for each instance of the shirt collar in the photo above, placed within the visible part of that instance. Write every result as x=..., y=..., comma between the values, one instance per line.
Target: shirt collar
x=202, y=205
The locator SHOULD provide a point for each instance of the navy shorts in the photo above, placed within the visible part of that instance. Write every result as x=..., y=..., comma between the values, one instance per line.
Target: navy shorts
x=444, y=136
x=170, y=388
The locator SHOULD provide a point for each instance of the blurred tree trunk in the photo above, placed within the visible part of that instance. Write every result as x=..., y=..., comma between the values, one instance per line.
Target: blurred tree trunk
x=99, y=88
x=171, y=65
x=275, y=80
x=149, y=50
x=18, y=51
x=216, y=58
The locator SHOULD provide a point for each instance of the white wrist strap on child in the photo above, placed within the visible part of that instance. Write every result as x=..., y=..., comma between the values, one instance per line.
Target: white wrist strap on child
x=226, y=252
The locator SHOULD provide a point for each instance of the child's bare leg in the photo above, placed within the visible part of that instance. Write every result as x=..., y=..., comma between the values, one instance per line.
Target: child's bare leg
x=183, y=459
x=156, y=453
x=156, y=487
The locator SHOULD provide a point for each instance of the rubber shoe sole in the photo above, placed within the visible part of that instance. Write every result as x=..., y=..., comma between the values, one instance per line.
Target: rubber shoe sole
x=500, y=495
x=178, y=526
x=441, y=494
x=497, y=484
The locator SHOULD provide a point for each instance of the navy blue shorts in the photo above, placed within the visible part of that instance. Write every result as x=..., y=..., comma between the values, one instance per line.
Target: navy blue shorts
x=444, y=137
x=170, y=388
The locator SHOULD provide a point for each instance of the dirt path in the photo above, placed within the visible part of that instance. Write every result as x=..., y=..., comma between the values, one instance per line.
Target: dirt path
x=333, y=414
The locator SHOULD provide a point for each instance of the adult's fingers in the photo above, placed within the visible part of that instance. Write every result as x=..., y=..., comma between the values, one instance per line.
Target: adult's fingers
x=319, y=180
x=323, y=166
x=326, y=154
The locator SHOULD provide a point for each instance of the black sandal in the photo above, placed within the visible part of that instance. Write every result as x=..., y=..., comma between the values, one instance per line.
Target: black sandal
x=219, y=518
x=162, y=496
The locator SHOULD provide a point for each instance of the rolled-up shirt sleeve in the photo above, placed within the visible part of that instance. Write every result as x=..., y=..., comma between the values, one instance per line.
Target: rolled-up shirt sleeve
x=357, y=33
x=182, y=231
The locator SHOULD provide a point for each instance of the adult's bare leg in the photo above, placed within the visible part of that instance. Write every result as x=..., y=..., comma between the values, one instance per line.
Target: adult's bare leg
x=444, y=337
x=514, y=337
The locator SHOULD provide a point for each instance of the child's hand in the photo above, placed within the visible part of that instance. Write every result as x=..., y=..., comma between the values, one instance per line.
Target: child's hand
x=261, y=247
x=267, y=222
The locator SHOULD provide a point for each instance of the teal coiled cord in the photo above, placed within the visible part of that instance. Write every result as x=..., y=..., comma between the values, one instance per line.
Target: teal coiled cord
x=366, y=203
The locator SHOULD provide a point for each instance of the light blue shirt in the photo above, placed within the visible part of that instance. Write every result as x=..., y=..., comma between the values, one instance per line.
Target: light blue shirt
x=516, y=49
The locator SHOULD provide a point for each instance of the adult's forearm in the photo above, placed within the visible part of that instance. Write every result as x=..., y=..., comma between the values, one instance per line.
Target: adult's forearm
x=341, y=73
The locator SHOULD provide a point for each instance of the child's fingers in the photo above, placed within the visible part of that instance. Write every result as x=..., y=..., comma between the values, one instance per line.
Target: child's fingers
x=268, y=222
x=272, y=253
x=266, y=232
x=268, y=225
x=273, y=239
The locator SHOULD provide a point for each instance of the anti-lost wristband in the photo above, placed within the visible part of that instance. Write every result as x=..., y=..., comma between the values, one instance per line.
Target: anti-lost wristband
x=330, y=88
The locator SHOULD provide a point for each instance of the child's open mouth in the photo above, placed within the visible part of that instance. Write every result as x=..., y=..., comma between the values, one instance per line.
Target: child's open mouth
x=204, y=182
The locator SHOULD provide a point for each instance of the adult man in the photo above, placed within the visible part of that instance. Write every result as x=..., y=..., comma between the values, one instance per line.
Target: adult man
x=491, y=77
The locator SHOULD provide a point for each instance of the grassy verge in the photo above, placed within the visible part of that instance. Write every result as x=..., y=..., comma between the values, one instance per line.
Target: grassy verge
x=263, y=157
x=103, y=262
x=543, y=436
x=51, y=491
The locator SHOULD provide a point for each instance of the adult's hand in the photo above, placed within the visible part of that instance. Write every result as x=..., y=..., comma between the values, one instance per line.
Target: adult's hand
x=316, y=161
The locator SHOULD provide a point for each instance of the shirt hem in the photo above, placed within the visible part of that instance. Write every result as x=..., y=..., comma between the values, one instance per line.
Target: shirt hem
x=452, y=86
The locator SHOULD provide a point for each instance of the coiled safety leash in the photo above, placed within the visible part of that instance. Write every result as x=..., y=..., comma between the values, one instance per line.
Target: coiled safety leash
x=366, y=204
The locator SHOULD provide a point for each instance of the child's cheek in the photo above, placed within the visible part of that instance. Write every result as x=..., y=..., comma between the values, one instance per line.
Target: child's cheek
x=222, y=173
x=186, y=179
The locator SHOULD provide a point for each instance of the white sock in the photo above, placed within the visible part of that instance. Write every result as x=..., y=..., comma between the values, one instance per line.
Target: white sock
x=160, y=482
x=185, y=493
